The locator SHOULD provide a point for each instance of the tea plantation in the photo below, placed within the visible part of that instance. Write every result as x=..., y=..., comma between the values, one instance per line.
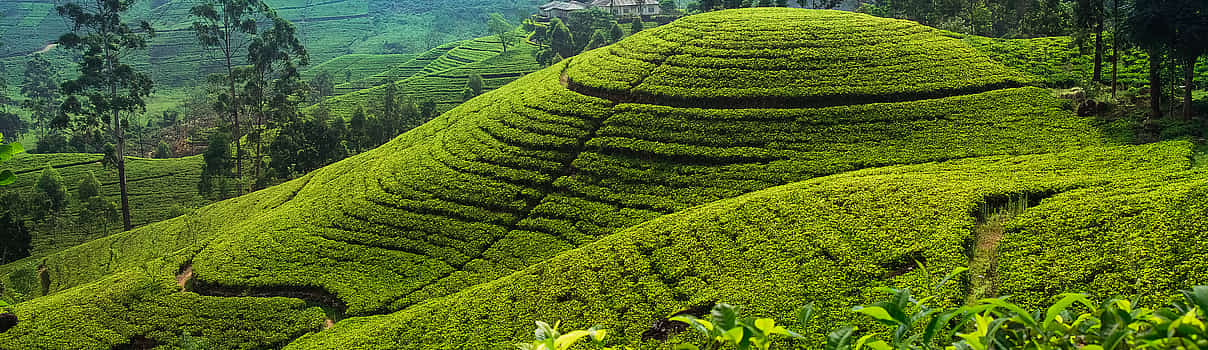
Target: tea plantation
x=761, y=157
x=160, y=189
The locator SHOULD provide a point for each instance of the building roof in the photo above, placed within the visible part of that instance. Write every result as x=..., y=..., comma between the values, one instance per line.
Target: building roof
x=563, y=5
x=608, y=3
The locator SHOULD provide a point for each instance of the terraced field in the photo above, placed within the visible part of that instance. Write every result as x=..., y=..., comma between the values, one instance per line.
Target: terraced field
x=328, y=29
x=616, y=188
x=355, y=66
x=158, y=187
x=439, y=75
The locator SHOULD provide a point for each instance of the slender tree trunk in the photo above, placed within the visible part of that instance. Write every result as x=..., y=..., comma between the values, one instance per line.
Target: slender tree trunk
x=1188, y=81
x=1099, y=51
x=121, y=168
x=1155, y=83
x=235, y=118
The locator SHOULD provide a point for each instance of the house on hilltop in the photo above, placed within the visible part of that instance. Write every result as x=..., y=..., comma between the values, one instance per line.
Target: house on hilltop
x=629, y=8
x=619, y=8
x=560, y=9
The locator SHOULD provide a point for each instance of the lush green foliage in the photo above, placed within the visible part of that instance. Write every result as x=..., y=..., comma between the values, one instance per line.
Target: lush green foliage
x=535, y=201
x=161, y=184
x=829, y=240
x=720, y=58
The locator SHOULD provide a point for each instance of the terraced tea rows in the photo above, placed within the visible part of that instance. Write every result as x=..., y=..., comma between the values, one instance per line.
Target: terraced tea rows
x=355, y=66
x=439, y=75
x=714, y=61
x=464, y=229
x=158, y=187
x=829, y=240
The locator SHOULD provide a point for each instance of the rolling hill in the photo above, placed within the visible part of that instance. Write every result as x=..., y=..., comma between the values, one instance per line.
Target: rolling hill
x=725, y=157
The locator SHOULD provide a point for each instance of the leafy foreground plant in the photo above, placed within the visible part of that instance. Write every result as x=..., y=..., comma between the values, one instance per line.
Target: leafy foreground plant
x=994, y=323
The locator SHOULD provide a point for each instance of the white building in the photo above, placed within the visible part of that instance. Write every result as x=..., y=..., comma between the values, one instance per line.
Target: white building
x=560, y=8
x=629, y=8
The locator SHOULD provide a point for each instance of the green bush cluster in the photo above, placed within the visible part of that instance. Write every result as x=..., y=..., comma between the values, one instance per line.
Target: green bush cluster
x=778, y=56
x=830, y=240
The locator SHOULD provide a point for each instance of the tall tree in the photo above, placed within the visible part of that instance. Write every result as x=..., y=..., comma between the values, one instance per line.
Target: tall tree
x=38, y=86
x=52, y=193
x=636, y=26
x=1089, y=19
x=273, y=87
x=227, y=25
x=216, y=166
x=107, y=88
x=505, y=31
x=95, y=209
x=1190, y=41
x=561, y=41
x=1149, y=28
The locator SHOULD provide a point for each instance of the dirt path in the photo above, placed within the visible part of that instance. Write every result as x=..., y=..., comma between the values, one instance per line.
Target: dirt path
x=983, y=258
x=182, y=278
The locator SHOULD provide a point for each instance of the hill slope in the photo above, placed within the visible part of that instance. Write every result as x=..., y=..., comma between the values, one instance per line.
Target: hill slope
x=160, y=189
x=594, y=146
x=327, y=28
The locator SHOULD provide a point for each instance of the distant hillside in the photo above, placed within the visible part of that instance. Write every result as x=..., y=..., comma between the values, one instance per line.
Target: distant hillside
x=159, y=189
x=327, y=28
x=766, y=157
x=439, y=75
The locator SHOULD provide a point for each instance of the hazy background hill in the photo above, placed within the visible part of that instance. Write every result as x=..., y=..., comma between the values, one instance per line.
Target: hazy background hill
x=328, y=28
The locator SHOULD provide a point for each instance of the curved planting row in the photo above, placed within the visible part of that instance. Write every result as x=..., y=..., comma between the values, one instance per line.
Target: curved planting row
x=830, y=241
x=794, y=58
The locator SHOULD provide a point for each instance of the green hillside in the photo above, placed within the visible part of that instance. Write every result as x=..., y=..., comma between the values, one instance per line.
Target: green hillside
x=328, y=29
x=725, y=157
x=355, y=66
x=439, y=75
x=159, y=189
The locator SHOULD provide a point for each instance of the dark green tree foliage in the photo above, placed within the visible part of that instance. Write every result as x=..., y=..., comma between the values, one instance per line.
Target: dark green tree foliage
x=733, y=4
x=357, y=136
x=709, y=5
x=584, y=23
x=598, y=40
x=305, y=146
x=615, y=33
x=502, y=29
x=636, y=26
x=10, y=123
x=1189, y=42
x=562, y=41
x=52, y=194
x=14, y=237
x=95, y=209
x=216, y=168
x=667, y=7
x=41, y=93
x=227, y=25
x=163, y=150
x=765, y=3
x=273, y=86
x=322, y=86
x=474, y=83
x=1150, y=29
x=107, y=88
x=1089, y=16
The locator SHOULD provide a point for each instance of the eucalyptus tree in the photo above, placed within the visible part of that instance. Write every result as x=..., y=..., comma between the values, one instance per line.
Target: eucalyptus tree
x=228, y=26
x=38, y=86
x=273, y=87
x=108, y=91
